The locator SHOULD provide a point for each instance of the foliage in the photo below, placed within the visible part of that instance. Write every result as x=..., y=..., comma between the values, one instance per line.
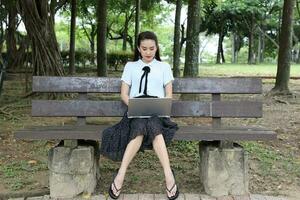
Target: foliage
x=116, y=59
x=14, y=173
x=81, y=57
x=232, y=16
x=269, y=157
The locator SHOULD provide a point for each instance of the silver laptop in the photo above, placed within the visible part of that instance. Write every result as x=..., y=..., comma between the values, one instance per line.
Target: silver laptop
x=148, y=107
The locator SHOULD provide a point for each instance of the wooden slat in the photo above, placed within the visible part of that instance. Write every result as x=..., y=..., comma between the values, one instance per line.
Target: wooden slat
x=218, y=85
x=181, y=85
x=75, y=84
x=82, y=108
x=188, y=133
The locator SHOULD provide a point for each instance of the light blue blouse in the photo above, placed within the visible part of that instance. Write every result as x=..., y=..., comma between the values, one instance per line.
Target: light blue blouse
x=159, y=76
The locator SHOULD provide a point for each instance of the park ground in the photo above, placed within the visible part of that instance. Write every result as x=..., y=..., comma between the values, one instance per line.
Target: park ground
x=274, y=166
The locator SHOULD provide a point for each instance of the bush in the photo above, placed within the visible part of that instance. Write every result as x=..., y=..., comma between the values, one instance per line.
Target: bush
x=115, y=59
x=81, y=57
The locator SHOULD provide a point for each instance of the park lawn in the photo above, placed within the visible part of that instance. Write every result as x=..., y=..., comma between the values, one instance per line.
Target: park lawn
x=244, y=70
x=23, y=165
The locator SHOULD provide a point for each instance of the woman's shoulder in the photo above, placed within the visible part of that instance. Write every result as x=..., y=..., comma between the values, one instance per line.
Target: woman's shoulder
x=163, y=64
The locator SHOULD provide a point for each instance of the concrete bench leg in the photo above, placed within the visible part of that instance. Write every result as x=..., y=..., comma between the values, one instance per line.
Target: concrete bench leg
x=223, y=171
x=72, y=171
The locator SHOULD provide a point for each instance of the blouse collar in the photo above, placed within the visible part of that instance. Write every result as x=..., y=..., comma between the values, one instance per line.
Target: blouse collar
x=147, y=64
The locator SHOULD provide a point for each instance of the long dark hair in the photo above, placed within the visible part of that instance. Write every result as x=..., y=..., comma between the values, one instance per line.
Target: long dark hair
x=147, y=35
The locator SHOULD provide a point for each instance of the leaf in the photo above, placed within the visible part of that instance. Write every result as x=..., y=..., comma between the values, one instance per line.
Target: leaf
x=32, y=162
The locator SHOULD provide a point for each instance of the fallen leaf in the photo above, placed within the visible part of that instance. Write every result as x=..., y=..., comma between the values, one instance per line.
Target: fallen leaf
x=32, y=162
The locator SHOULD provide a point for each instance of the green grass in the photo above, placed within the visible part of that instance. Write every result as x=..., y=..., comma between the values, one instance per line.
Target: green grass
x=18, y=174
x=271, y=160
x=244, y=70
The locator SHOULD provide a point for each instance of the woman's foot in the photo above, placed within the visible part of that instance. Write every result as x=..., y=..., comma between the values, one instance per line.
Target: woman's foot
x=171, y=187
x=116, y=186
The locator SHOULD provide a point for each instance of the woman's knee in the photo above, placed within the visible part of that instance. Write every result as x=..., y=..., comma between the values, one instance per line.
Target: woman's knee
x=138, y=138
x=158, y=137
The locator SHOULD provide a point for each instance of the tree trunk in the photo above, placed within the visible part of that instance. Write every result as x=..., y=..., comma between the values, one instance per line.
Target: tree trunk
x=298, y=59
x=285, y=46
x=53, y=4
x=222, y=51
x=125, y=32
x=251, y=59
x=92, y=46
x=219, y=53
x=279, y=25
x=176, y=48
x=72, y=37
x=1, y=40
x=237, y=47
x=11, y=35
x=261, y=48
x=137, y=20
x=183, y=39
x=46, y=58
x=233, y=57
x=191, y=67
x=101, y=38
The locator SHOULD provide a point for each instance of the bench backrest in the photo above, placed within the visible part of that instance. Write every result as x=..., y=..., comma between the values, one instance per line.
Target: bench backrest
x=83, y=107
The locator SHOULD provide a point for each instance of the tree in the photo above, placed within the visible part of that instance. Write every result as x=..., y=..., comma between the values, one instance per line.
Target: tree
x=11, y=33
x=101, y=38
x=86, y=14
x=3, y=23
x=121, y=15
x=218, y=19
x=285, y=46
x=46, y=58
x=72, y=37
x=56, y=5
x=192, y=41
x=176, y=48
x=137, y=20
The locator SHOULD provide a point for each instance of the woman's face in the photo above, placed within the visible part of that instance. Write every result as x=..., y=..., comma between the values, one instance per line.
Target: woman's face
x=147, y=49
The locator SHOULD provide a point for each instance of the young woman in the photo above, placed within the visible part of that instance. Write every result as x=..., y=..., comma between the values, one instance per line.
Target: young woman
x=147, y=76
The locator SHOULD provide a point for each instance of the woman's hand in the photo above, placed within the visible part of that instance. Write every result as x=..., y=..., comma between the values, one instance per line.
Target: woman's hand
x=125, y=92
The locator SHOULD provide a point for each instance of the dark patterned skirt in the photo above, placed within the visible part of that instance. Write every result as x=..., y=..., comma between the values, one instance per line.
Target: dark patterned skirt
x=115, y=139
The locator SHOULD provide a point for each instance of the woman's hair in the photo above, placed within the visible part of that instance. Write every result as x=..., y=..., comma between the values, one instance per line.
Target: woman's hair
x=147, y=35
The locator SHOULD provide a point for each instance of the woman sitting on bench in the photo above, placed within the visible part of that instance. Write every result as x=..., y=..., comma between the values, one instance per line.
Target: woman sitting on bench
x=147, y=76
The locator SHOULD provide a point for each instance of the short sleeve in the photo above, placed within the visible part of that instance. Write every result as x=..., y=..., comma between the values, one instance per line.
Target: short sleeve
x=126, y=76
x=168, y=75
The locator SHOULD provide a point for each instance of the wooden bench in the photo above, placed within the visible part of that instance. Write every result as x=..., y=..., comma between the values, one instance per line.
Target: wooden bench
x=223, y=152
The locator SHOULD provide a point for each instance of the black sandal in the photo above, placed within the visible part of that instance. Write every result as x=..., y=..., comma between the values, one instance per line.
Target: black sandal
x=111, y=192
x=170, y=190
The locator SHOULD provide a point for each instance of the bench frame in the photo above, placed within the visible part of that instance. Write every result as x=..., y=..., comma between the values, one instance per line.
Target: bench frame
x=225, y=149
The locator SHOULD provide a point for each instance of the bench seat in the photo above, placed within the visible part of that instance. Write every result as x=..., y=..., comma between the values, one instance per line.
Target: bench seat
x=187, y=133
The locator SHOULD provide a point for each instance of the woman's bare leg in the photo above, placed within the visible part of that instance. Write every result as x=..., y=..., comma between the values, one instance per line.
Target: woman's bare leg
x=160, y=149
x=131, y=150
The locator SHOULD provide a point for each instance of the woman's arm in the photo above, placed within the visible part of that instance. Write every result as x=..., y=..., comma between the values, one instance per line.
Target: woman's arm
x=125, y=92
x=169, y=90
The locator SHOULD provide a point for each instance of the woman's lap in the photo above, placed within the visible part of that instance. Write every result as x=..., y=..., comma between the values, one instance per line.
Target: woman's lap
x=131, y=128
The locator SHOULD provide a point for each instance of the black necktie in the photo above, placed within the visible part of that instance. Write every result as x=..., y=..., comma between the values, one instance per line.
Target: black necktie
x=146, y=70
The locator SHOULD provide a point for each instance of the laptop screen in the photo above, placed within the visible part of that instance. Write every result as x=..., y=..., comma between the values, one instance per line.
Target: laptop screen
x=148, y=107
